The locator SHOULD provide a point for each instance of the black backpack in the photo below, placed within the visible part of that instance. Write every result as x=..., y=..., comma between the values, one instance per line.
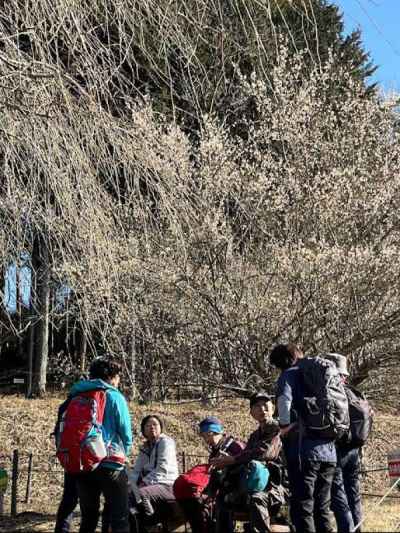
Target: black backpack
x=361, y=418
x=325, y=411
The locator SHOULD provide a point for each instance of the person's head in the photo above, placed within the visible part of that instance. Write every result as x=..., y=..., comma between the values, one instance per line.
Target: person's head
x=284, y=356
x=211, y=430
x=340, y=362
x=151, y=427
x=106, y=370
x=261, y=406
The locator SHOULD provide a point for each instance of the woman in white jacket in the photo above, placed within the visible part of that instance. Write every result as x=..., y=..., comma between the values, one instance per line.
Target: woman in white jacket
x=153, y=474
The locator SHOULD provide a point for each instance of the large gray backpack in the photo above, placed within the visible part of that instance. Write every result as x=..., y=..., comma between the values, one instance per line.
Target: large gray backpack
x=325, y=412
x=361, y=418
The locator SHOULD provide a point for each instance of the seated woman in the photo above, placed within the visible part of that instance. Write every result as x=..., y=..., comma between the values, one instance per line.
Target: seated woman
x=197, y=509
x=153, y=474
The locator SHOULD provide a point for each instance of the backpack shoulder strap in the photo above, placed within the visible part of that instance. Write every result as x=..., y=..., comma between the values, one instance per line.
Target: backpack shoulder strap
x=355, y=392
x=61, y=410
x=156, y=453
x=226, y=444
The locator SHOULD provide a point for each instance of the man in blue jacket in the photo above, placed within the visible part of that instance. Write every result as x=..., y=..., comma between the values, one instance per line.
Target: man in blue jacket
x=110, y=477
x=311, y=461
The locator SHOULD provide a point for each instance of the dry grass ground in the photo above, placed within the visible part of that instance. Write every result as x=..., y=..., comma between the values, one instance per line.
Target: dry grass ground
x=26, y=426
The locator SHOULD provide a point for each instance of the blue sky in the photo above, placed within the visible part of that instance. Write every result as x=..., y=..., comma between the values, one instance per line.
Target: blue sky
x=10, y=292
x=379, y=21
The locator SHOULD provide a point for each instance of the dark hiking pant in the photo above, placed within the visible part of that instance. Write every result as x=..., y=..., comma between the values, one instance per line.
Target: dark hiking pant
x=69, y=501
x=259, y=513
x=315, y=501
x=113, y=484
x=256, y=505
x=200, y=515
x=346, y=499
x=197, y=513
x=159, y=498
x=295, y=478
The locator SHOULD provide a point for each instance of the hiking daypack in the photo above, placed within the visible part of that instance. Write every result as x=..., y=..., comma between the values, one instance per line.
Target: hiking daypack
x=246, y=479
x=361, y=418
x=255, y=477
x=325, y=412
x=80, y=443
x=192, y=483
x=61, y=409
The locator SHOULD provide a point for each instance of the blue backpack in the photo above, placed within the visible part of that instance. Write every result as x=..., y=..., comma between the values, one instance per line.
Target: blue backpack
x=255, y=477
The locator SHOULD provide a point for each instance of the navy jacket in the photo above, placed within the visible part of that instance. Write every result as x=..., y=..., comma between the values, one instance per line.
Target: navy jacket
x=289, y=397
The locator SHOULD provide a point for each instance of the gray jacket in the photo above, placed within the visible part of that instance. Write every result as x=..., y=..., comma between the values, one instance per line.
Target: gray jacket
x=156, y=464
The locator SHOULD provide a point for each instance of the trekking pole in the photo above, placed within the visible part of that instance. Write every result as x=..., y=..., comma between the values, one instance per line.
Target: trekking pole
x=378, y=504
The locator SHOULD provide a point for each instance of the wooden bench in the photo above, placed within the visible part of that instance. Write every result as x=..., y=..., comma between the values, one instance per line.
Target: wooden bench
x=177, y=523
x=242, y=516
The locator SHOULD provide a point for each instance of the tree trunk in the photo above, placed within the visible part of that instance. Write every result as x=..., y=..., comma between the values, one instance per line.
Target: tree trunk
x=31, y=353
x=82, y=350
x=41, y=268
x=31, y=338
x=134, y=392
x=19, y=309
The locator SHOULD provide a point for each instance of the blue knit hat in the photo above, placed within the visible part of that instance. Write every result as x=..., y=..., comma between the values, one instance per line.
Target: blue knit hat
x=211, y=423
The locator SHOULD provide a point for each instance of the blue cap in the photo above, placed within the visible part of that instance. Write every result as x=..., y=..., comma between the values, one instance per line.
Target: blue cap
x=211, y=423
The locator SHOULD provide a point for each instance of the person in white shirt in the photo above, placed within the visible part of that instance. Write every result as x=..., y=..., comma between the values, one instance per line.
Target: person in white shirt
x=153, y=475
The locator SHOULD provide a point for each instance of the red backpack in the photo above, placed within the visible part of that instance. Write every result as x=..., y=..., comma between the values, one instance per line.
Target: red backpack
x=80, y=443
x=192, y=483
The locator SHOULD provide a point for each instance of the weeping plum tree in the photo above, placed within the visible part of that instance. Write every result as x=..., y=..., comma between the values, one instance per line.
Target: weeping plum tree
x=183, y=54
x=189, y=251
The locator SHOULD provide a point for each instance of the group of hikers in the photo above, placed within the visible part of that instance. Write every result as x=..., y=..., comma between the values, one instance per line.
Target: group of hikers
x=304, y=455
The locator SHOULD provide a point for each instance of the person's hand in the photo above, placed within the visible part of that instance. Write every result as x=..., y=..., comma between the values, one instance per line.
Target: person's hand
x=277, y=442
x=287, y=429
x=221, y=462
x=206, y=499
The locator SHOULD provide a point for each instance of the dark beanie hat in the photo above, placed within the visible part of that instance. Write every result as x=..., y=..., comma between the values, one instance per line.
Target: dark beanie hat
x=262, y=395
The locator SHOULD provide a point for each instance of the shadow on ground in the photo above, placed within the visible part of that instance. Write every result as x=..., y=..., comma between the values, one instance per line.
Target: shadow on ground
x=28, y=522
